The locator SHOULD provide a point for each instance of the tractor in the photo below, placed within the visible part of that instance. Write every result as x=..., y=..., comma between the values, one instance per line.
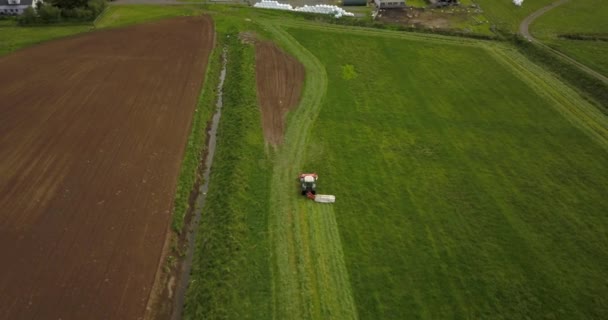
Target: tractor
x=308, y=186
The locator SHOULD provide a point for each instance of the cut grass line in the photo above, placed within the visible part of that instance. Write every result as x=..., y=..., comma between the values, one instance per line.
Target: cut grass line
x=309, y=273
x=567, y=102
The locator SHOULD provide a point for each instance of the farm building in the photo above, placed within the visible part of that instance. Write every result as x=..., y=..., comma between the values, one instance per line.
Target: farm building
x=388, y=4
x=15, y=7
x=354, y=2
x=443, y=3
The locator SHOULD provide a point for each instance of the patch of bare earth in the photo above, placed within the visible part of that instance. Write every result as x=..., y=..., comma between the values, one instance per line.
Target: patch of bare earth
x=92, y=134
x=279, y=79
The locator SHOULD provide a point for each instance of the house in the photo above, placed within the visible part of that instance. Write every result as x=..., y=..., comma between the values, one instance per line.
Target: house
x=389, y=4
x=15, y=7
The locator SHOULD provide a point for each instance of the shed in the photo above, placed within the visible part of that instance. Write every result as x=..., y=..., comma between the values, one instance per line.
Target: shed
x=389, y=4
x=354, y=2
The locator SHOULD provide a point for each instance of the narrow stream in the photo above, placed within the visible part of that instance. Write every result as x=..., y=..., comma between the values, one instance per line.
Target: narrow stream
x=182, y=286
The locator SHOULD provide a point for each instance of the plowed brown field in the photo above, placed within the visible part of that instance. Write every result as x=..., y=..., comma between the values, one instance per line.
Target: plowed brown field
x=92, y=133
x=279, y=79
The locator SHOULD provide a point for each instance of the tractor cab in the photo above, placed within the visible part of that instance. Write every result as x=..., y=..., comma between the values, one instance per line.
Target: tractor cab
x=308, y=183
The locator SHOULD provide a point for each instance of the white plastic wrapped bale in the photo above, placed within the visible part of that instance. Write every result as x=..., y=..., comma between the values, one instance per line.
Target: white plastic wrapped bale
x=269, y=4
x=325, y=9
x=320, y=8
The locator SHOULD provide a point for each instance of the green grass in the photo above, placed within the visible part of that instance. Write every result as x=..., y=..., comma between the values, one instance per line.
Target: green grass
x=584, y=17
x=575, y=16
x=196, y=141
x=417, y=3
x=231, y=273
x=117, y=16
x=14, y=37
x=591, y=53
x=462, y=191
x=507, y=16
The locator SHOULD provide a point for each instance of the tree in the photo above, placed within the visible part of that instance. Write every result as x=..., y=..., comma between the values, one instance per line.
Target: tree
x=96, y=6
x=49, y=13
x=69, y=4
x=28, y=16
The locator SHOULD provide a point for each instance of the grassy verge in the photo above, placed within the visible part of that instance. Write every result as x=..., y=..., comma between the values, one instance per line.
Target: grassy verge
x=591, y=53
x=459, y=201
x=231, y=276
x=591, y=88
x=195, y=147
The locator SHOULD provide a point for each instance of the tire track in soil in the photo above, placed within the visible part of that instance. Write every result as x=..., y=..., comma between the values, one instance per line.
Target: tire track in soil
x=310, y=279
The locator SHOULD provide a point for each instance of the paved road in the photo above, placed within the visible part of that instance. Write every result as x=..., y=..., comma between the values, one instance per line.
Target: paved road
x=525, y=32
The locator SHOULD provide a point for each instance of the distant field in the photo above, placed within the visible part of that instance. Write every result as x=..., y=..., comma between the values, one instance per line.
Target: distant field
x=506, y=15
x=461, y=192
x=117, y=16
x=591, y=53
x=576, y=16
x=13, y=37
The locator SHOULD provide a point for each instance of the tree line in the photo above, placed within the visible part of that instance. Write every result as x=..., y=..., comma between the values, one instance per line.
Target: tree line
x=54, y=11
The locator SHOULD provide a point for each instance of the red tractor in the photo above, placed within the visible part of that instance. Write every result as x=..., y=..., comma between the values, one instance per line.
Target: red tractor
x=308, y=184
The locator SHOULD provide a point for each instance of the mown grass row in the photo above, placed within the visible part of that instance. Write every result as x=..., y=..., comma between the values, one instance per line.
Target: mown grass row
x=230, y=274
x=196, y=145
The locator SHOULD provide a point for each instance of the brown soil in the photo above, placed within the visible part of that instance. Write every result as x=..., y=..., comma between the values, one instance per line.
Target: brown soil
x=279, y=79
x=92, y=135
x=424, y=18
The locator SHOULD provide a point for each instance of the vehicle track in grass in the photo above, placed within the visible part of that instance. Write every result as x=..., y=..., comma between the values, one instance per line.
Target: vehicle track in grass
x=310, y=279
x=307, y=282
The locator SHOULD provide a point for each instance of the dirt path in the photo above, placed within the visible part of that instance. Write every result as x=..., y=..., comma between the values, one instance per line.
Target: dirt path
x=92, y=134
x=525, y=32
x=279, y=79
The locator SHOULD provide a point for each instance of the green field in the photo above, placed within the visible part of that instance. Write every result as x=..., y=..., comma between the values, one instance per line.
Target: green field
x=575, y=16
x=470, y=183
x=117, y=16
x=591, y=53
x=586, y=17
x=461, y=192
x=13, y=37
x=506, y=15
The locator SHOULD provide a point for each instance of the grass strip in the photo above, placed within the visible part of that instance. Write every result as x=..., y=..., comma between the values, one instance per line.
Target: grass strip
x=230, y=273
